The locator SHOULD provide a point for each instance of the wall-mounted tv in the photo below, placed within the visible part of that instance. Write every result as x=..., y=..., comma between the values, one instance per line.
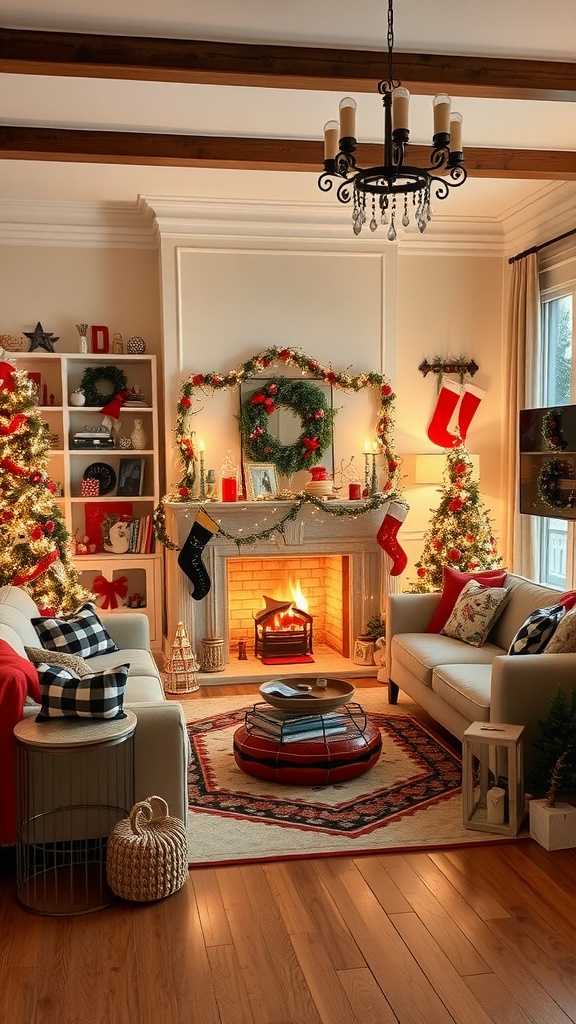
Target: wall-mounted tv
x=548, y=462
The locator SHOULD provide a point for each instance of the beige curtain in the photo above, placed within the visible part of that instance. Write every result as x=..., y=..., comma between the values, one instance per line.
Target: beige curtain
x=522, y=370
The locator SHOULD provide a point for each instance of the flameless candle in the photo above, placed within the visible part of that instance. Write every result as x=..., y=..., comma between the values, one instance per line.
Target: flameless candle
x=400, y=101
x=347, y=118
x=441, y=107
x=331, y=137
x=456, y=132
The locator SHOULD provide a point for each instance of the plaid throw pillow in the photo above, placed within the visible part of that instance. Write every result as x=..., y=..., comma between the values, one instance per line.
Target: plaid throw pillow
x=81, y=633
x=538, y=630
x=63, y=695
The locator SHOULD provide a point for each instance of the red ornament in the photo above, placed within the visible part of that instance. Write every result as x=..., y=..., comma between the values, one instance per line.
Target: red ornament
x=272, y=389
x=456, y=505
x=454, y=554
x=198, y=379
x=285, y=354
x=460, y=467
x=421, y=572
x=36, y=533
x=386, y=390
x=185, y=402
x=183, y=491
x=49, y=526
x=437, y=545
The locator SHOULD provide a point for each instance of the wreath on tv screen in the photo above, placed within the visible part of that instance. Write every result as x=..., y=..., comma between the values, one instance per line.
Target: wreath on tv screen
x=548, y=484
x=308, y=403
x=91, y=382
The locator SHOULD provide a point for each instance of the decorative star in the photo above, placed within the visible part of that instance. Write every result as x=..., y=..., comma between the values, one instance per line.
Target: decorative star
x=41, y=339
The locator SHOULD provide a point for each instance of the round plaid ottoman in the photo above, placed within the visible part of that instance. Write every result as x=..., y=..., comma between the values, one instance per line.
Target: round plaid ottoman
x=316, y=762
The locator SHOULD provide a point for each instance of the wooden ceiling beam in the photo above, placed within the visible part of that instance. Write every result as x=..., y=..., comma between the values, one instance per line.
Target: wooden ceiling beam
x=70, y=54
x=104, y=147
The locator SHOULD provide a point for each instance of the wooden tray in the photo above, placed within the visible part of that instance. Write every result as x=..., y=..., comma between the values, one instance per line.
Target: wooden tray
x=320, y=699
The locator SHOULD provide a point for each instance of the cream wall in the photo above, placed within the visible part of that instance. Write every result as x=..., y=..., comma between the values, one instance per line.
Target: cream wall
x=215, y=308
x=449, y=306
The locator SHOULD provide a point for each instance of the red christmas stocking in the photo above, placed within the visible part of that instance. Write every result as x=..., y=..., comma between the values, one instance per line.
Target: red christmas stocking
x=470, y=401
x=387, y=539
x=447, y=401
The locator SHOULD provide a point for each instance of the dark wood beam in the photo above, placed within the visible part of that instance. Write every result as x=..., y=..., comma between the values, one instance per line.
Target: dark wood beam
x=72, y=54
x=254, y=154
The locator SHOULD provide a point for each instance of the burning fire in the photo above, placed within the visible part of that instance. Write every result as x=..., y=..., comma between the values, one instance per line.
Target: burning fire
x=284, y=619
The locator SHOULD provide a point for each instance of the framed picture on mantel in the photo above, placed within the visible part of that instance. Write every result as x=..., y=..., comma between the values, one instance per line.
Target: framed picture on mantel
x=261, y=480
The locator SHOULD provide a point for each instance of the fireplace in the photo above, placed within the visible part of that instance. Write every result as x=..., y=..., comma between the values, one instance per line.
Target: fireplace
x=342, y=549
x=284, y=631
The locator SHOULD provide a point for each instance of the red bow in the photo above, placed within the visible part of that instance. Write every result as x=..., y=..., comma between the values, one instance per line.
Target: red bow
x=110, y=589
x=310, y=444
x=260, y=399
x=6, y=372
x=15, y=422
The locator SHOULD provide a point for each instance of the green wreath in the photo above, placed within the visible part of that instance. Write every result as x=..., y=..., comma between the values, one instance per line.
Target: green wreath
x=548, y=483
x=552, y=430
x=306, y=401
x=91, y=378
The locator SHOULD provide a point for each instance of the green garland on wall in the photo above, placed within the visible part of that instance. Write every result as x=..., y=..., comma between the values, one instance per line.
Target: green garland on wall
x=308, y=403
x=262, y=361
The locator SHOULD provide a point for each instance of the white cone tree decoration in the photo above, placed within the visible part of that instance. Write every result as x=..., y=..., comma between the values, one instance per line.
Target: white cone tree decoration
x=182, y=665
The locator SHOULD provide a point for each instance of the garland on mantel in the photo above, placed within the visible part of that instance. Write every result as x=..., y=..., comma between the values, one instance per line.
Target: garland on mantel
x=185, y=436
x=332, y=508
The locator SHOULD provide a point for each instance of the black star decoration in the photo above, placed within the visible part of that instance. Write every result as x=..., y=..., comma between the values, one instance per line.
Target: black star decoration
x=41, y=339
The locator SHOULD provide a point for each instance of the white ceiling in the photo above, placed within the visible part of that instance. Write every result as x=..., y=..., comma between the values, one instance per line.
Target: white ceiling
x=509, y=28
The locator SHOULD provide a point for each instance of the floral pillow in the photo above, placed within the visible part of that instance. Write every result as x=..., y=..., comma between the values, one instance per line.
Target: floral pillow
x=564, y=639
x=475, y=612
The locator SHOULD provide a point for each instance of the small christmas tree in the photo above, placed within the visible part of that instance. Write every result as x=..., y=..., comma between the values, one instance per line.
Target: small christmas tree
x=182, y=665
x=554, y=772
x=35, y=550
x=460, y=533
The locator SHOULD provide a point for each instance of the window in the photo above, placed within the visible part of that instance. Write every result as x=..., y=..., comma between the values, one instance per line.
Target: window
x=557, y=388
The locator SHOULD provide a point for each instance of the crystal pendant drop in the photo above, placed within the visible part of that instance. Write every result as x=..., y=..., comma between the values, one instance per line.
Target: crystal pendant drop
x=373, y=224
x=405, y=220
x=391, y=236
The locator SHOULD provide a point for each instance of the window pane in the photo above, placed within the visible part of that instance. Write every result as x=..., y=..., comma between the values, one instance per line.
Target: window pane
x=557, y=322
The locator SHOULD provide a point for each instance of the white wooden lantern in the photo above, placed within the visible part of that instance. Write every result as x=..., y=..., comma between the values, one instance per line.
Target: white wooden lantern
x=493, y=778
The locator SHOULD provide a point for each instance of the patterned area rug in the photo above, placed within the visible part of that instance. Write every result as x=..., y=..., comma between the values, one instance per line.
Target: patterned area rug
x=409, y=800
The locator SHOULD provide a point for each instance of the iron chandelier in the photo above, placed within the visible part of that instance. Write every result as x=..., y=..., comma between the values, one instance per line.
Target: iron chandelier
x=384, y=193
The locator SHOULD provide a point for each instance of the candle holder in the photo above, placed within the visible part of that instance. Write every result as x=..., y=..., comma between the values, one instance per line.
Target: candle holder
x=367, y=471
x=202, y=478
x=374, y=480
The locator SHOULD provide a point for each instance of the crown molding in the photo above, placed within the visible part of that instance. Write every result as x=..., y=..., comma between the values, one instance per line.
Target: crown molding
x=550, y=213
x=89, y=225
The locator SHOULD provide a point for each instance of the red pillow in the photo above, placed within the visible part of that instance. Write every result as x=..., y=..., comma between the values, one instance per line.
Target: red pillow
x=454, y=583
x=568, y=599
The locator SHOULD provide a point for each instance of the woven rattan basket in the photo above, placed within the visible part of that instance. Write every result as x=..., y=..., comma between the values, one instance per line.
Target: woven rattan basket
x=147, y=853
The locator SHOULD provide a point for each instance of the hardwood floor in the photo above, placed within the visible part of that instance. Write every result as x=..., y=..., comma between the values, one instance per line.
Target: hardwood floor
x=476, y=935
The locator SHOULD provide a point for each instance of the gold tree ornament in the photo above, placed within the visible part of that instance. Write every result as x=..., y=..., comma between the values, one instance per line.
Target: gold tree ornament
x=182, y=665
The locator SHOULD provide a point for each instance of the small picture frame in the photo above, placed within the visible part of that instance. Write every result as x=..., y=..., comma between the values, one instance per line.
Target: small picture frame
x=130, y=478
x=261, y=480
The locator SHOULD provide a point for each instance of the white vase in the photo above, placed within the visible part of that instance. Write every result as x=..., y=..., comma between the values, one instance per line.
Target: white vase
x=77, y=397
x=138, y=435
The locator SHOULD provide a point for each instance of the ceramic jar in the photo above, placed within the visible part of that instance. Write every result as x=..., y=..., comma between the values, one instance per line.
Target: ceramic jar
x=138, y=435
x=77, y=397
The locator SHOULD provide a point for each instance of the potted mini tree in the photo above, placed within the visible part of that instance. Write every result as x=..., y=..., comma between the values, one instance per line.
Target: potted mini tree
x=552, y=822
x=368, y=647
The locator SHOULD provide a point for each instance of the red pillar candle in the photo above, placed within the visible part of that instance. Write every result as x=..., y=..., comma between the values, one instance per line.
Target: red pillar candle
x=229, y=488
x=354, y=492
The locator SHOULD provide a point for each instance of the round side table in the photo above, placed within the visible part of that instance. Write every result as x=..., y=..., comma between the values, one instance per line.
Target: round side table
x=75, y=781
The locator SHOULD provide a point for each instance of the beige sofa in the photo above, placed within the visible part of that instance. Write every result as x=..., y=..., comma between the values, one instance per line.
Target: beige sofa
x=161, y=748
x=459, y=684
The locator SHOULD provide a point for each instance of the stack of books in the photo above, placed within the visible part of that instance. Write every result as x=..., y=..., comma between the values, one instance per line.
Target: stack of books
x=287, y=727
x=141, y=536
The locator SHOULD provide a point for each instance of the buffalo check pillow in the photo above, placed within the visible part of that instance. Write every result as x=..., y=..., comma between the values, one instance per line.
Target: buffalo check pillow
x=81, y=633
x=64, y=695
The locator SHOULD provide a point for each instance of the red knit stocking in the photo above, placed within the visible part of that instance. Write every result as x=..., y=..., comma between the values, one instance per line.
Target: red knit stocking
x=470, y=401
x=387, y=539
x=447, y=401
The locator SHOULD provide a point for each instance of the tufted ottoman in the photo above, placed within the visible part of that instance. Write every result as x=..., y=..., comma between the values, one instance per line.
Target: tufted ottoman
x=317, y=762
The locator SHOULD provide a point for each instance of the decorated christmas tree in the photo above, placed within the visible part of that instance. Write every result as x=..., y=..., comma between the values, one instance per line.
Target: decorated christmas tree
x=35, y=552
x=460, y=531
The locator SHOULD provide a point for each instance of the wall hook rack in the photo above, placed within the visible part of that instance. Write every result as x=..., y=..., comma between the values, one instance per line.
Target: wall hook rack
x=447, y=364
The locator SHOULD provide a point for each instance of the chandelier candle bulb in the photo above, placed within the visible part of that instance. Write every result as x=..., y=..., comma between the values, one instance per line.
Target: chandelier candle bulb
x=456, y=132
x=441, y=107
x=347, y=110
x=331, y=139
x=400, y=104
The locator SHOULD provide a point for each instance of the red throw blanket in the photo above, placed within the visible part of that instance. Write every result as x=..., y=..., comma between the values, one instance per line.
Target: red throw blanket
x=18, y=678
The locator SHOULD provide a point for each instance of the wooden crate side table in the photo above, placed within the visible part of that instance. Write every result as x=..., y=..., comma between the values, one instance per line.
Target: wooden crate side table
x=75, y=781
x=493, y=778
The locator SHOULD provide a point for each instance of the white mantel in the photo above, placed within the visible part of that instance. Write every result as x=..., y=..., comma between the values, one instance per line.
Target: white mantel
x=313, y=532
